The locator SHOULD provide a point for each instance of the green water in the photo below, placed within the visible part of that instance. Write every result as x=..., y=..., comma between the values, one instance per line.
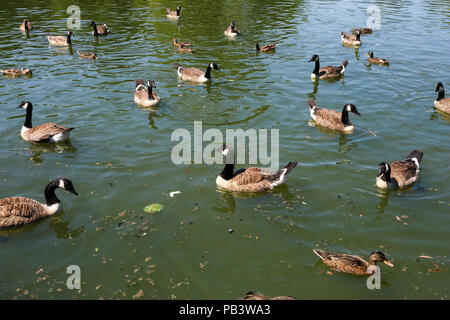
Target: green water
x=119, y=156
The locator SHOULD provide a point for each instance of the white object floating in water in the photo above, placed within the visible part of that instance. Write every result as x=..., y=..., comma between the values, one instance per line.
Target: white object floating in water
x=174, y=193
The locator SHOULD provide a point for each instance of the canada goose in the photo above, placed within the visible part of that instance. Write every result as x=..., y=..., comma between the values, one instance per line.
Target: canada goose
x=87, y=55
x=251, y=179
x=26, y=25
x=194, y=74
x=177, y=43
x=99, y=31
x=231, y=31
x=399, y=174
x=265, y=48
x=254, y=295
x=352, y=264
x=376, y=60
x=332, y=119
x=327, y=72
x=16, y=211
x=442, y=103
x=173, y=14
x=46, y=132
x=60, y=40
x=362, y=30
x=16, y=72
x=350, y=39
x=143, y=95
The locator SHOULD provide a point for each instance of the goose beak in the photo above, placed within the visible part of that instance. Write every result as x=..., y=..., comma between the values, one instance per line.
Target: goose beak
x=312, y=59
x=356, y=111
x=388, y=263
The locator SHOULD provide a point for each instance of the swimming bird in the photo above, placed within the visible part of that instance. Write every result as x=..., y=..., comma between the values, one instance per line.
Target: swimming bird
x=399, y=174
x=327, y=72
x=194, y=74
x=362, y=30
x=352, y=264
x=60, y=41
x=46, y=132
x=173, y=14
x=254, y=295
x=251, y=179
x=87, y=55
x=265, y=48
x=333, y=119
x=99, y=30
x=350, y=39
x=26, y=25
x=376, y=60
x=177, y=43
x=16, y=72
x=442, y=103
x=231, y=31
x=16, y=211
x=144, y=96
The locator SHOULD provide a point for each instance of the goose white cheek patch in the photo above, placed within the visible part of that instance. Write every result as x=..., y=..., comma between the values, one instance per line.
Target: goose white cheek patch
x=61, y=184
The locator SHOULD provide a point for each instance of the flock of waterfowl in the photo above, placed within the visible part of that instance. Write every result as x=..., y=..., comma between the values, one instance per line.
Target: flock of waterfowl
x=15, y=211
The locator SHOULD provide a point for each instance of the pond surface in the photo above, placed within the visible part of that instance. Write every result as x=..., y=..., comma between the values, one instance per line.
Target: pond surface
x=119, y=158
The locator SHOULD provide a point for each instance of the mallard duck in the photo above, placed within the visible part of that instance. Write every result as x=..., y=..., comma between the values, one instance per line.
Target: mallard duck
x=16, y=72
x=177, y=43
x=376, y=60
x=46, y=132
x=144, y=96
x=265, y=48
x=99, y=30
x=194, y=74
x=350, y=39
x=173, y=14
x=332, y=119
x=399, y=174
x=16, y=211
x=251, y=179
x=352, y=264
x=442, y=103
x=254, y=295
x=26, y=25
x=327, y=72
x=231, y=31
x=87, y=55
x=362, y=30
x=60, y=41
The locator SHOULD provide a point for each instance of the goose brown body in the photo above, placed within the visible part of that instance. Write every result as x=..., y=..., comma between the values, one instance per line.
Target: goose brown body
x=231, y=30
x=376, y=60
x=177, y=43
x=442, y=103
x=399, y=174
x=144, y=95
x=26, y=25
x=332, y=119
x=60, y=41
x=265, y=48
x=102, y=30
x=327, y=72
x=16, y=72
x=173, y=14
x=194, y=74
x=351, y=263
x=362, y=30
x=87, y=55
x=254, y=295
x=350, y=39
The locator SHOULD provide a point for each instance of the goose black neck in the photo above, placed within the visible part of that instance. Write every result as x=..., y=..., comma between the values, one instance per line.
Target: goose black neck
x=208, y=72
x=95, y=30
x=178, y=11
x=344, y=118
x=69, y=41
x=50, y=196
x=26, y=25
x=358, y=36
x=441, y=94
x=317, y=66
x=386, y=176
x=257, y=47
x=371, y=55
x=228, y=172
x=150, y=93
x=28, y=116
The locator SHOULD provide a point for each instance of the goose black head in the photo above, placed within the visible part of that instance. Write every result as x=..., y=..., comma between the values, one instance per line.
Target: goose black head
x=66, y=184
x=179, y=8
x=314, y=58
x=257, y=46
x=439, y=86
x=70, y=34
x=92, y=23
x=214, y=66
x=378, y=256
x=225, y=149
x=151, y=84
x=383, y=169
x=370, y=54
x=351, y=108
x=25, y=105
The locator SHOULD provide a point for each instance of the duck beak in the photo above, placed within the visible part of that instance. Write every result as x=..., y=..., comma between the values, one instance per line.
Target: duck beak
x=388, y=263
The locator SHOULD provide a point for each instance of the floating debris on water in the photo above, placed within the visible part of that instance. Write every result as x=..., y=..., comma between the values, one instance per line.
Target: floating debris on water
x=154, y=208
